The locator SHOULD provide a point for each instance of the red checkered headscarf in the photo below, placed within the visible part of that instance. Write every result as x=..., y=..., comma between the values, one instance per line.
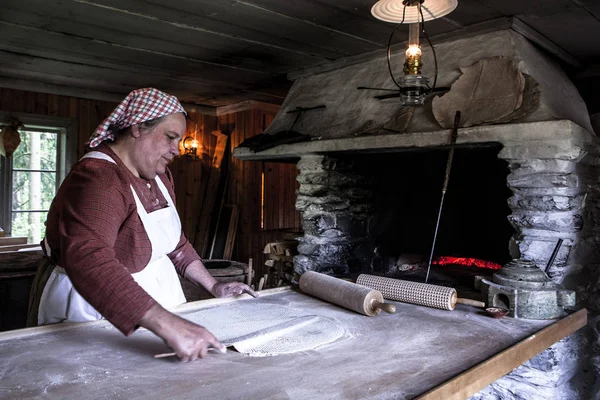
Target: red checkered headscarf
x=139, y=106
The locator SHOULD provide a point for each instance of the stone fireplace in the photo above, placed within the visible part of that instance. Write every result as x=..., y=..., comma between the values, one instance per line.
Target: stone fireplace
x=370, y=175
x=548, y=173
x=378, y=212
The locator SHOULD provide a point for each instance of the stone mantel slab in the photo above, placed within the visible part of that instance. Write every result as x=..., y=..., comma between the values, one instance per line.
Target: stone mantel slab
x=565, y=137
x=349, y=111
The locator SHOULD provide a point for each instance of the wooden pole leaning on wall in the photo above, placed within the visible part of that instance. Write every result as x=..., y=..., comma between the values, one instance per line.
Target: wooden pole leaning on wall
x=225, y=232
x=231, y=232
x=201, y=240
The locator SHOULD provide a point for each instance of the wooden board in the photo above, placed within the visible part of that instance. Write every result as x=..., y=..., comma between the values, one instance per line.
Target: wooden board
x=231, y=232
x=229, y=271
x=485, y=373
x=280, y=196
x=400, y=356
x=222, y=243
x=18, y=262
x=9, y=241
x=17, y=247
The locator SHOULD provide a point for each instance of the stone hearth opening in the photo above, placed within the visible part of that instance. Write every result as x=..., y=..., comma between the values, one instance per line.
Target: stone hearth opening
x=384, y=218
x=407, y=189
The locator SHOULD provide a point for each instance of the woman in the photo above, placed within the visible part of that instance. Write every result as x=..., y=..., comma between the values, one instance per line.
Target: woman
x=114, y=243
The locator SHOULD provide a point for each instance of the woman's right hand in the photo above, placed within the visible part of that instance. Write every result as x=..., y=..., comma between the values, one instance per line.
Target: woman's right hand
x=188, y=340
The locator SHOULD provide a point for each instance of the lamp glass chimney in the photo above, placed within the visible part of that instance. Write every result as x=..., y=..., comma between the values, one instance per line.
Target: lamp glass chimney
x=412, y=59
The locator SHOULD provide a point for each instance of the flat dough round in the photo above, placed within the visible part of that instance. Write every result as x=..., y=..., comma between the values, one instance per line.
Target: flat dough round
x=262, y=330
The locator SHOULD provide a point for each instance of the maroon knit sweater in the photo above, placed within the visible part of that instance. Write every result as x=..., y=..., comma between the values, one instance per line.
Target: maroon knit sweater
x=96, y=235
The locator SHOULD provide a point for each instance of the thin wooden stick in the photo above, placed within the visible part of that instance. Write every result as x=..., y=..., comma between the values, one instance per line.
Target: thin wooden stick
x=250, y=272
x=163, y=355
x=222, y=350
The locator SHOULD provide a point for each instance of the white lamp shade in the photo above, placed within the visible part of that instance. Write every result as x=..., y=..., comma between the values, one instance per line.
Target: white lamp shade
x=391, y=10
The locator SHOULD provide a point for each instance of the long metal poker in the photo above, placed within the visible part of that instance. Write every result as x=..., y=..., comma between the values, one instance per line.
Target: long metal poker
x=445, y=187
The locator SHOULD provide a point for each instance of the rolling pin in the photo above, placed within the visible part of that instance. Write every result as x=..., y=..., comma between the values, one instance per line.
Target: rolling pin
x=422, y=294
x=343, y=293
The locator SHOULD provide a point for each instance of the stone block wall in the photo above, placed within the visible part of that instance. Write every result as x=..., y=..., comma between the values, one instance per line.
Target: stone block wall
x=336, y=207
x=555, y=196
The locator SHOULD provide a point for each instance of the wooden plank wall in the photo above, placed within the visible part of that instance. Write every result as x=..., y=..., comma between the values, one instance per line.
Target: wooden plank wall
x=244, y=190
x=190, y=175
x=89, y=113
x=280, y=194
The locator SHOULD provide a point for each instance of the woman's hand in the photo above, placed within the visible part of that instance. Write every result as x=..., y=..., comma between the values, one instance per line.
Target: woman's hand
x=188, y=340
x=198, y=274
x=229, y=289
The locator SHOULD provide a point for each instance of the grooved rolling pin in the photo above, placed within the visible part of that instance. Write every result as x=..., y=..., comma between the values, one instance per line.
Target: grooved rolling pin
x=422, y=294
x=343, y=293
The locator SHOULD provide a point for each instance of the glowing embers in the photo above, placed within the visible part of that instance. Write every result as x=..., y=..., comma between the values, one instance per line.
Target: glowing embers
x=467, y=262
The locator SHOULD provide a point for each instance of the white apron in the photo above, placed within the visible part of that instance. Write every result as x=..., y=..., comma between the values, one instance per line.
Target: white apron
x=61, y=302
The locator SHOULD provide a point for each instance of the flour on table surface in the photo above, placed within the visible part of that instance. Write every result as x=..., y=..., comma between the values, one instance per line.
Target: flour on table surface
x=260, y=330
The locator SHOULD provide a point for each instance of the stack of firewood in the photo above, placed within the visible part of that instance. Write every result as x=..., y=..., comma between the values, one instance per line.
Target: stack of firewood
x=280, y=260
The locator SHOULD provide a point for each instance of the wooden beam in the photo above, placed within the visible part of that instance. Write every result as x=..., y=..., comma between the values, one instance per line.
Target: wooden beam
x=341, y=17
x=291, y=17
x=196, y=22
x=73, y=71
x=487, y=372
x=43, y=87
x=119, y=75
x=199, y=108
x=77, y=20
x=108, y=84
x=84, y=93
x=87, y=21
x=248, y=105
x=72, y=44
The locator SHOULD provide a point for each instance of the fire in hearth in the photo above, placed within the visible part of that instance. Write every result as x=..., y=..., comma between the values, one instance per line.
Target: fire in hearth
x=467, y=262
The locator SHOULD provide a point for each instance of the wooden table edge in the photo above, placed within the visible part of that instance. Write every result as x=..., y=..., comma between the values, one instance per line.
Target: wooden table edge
x=483, y=374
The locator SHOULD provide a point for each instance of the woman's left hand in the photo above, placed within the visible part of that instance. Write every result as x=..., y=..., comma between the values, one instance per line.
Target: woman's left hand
x=229, y=289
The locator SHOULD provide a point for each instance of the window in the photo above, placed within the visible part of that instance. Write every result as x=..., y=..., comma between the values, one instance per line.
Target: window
x=31, y=177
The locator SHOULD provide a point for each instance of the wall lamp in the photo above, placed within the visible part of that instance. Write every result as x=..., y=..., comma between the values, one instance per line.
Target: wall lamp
x=190, y=147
